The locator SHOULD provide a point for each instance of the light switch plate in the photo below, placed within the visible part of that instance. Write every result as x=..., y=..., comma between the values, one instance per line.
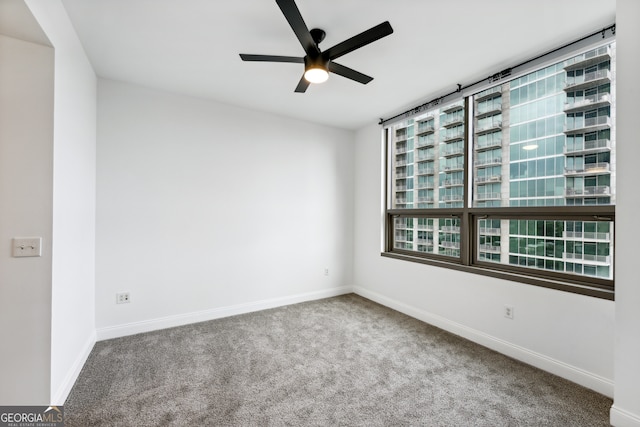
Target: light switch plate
x=27, y=246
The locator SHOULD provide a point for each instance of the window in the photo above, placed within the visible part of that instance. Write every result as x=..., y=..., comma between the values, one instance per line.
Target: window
x=515, y=181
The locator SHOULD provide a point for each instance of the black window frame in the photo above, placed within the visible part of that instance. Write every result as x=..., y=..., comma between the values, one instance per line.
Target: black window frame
x=468, y=261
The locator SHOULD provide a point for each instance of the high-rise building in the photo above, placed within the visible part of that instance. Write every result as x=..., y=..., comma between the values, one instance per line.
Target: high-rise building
x=543, y=139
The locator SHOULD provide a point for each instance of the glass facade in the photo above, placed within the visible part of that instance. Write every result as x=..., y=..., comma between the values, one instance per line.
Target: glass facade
x=544, y=139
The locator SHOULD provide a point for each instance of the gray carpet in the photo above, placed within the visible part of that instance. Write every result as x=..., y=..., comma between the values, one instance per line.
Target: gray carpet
x=343, y=361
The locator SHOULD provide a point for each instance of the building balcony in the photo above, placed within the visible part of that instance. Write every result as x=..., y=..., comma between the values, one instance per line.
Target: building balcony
x=423, y=157
x=403, y=245
x=489, y=127
x=489, y=248
x=425, y=199
x=487, y=196
x=452, y=137
x=588, y=59
x=426, y=171
x=452, y=183
x=427, y=227
x=426, y=186
x=452, y=108
x=600, y=190
x=401, y=174
x=401, y=148
x=485, y=145
x=400, y=163
x=425, y=240
x=452, y=151
x=487, y=162
x=453, y=121
x=587, y=258
x=426, y=127
x=454, y=245
x=425, y=142
x=401, y=137
x=589, y=102
x=454, y=168
x=589, y=169
x=491, y=178
x=593, y=146
x=488, y=109
x=401, y=188
x=401, y=201
x=452, y=198
x=401, y=225
x=450, y=229
x=489, y=231
x=585, y=235
x=591, y=124
x=489, y=93
x=449, y=252
x=588, y=80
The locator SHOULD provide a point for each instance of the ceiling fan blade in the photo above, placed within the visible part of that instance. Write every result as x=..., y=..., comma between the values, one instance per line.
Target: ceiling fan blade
x=271, y=58
x=292, y=13
x=358, y=41
x=349, y=73
x=302, y=85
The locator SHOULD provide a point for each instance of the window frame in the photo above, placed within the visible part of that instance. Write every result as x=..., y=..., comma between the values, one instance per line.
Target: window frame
x=468, y=261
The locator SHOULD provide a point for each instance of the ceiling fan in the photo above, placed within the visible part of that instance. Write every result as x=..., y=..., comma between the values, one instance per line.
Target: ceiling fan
x=318, y=64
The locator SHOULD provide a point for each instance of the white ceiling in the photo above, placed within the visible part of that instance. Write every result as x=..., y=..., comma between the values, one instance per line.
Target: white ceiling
x=192, y=47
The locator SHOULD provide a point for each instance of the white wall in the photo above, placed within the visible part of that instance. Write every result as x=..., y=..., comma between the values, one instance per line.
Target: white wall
x=74, y=170
x=205, y=209
x=26, y=159
x=570, y=335
x=626, y=409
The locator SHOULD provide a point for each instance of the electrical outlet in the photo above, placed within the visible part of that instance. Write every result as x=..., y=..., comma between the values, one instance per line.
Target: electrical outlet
x=326, y=271
x=123, y=298
x=508, y=312
x=27, y=246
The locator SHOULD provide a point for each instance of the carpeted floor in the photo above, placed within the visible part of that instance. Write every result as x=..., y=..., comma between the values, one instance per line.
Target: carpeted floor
x=343, y=361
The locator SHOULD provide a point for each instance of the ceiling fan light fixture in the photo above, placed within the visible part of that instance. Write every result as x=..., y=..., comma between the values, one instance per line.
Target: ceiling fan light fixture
x=317, y=63
x=316, y=75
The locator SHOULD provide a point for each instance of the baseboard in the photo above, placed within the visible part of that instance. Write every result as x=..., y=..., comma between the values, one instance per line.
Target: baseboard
x=579, y=376
x=621, y=418
x=216, y=313
x=60, y=396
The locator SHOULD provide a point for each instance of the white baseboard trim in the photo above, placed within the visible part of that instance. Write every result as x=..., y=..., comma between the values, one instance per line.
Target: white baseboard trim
x=117, y=331
x=594, y=382
x=60, y=396
x=621, y=418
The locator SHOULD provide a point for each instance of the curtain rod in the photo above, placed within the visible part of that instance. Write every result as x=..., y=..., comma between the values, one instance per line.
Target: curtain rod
x=494, y=77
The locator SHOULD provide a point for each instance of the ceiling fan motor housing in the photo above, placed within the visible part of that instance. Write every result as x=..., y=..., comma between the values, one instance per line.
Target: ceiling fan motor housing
x=316, y=62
